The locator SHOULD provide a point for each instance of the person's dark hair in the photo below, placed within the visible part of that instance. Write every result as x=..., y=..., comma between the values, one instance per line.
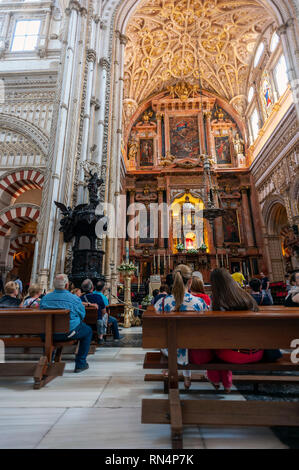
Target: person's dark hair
x=87, y=286
x=155, y=292
x=197, y=286
x=100, y=285
x=228, y=295
x=293, y=277
x=236, y=269
x=255, y=284
x=164, y=288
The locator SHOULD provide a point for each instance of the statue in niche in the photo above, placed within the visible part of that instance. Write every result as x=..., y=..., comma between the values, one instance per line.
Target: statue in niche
x=133, y=149
x=238, y=145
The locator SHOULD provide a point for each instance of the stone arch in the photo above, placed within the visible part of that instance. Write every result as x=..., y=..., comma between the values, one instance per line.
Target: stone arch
x=26, y=129
x=275, y=217
x=17, y=215
x=17, y=243
x=14, y=183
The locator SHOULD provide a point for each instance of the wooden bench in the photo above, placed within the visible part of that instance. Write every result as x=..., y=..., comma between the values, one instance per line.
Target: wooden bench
x=156, y=360
x=218, y=330
x=34, y=322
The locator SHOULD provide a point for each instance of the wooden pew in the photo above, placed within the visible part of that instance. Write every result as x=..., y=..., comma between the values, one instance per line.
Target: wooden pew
x=34, y=322
x=215, y=330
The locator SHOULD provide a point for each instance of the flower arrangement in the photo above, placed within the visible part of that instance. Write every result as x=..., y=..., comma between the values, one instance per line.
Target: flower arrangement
x=147, y=300
x=203, y=247
x=192, y=251
x=126, y=267
x=180, y=247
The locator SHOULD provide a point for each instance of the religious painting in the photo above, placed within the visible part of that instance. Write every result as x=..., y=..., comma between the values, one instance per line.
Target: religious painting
x=223, y=153
x=184, y=138
x=231, y=226
x=146, y=152
x=266, y=95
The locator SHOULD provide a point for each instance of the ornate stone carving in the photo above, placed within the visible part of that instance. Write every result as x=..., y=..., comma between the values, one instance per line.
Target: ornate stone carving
x=167, y=40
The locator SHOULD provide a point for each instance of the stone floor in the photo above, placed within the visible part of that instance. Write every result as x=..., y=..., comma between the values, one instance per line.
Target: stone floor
x=102, y=406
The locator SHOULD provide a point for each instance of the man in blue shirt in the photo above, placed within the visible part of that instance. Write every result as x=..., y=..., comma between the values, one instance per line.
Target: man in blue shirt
x=100, y=291
x=61, y=298
x=95, y=298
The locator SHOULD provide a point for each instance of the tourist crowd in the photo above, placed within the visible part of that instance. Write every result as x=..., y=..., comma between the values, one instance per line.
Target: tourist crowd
x=184, y=291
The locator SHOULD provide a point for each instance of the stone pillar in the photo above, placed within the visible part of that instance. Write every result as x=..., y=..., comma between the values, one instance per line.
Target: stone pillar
x=210, y=137
x=289, y=38
x=131, y=217
x=5, y=27
x=160, y=220
x=247, y=218
x=54, y=187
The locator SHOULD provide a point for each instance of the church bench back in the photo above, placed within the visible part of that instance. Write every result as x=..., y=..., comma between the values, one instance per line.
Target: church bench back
x=266, y=329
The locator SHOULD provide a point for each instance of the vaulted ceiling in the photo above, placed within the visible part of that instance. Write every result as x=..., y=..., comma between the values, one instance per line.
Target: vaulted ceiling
x=170, y=40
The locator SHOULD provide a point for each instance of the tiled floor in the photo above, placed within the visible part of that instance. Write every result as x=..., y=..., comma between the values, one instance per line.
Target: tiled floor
x=102, y=406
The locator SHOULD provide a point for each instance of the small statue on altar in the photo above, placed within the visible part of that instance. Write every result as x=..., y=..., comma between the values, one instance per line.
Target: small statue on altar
x=238, y=145
x=133, y=149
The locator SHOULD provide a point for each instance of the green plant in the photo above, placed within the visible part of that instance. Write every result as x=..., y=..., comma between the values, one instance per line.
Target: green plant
x=192, y=251
x=180, y=247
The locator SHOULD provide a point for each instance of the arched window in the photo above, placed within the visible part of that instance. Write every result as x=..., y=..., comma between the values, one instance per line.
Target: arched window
x=274, y=42
x=281, y=76
x=250, y=94
x=258, y=54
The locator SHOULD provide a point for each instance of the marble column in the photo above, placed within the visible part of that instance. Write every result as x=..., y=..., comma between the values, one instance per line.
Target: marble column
x=131, y=217
x=53, y=190
x=247, y=218
x=160, y=220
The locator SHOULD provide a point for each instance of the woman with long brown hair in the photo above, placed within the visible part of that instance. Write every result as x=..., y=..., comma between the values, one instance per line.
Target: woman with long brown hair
x=228, y=295
x=181, y=300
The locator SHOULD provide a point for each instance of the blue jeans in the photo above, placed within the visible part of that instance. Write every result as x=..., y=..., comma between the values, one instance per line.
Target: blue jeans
x=102, y=327
x=82, y=332
x=113, y=322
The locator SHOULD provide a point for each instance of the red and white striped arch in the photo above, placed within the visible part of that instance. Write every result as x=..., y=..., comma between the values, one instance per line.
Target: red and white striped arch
x=18, y=243
x=18, y=182
x=17, y=216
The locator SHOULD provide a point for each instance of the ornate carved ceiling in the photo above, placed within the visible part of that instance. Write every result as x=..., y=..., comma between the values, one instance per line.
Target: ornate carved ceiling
x=169, y=39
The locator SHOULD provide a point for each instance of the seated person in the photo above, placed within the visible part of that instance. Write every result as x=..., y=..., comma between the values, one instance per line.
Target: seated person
x=88, y=297
x=197, y=289
x=33, y=299
x=155, y=293
x=76, y=291
x=292, y=299
x=9, y=299
x=261, y=298
x=227, y=295
x=100, y=290
x=163, y=292
x=181, y=300
x=61, y=298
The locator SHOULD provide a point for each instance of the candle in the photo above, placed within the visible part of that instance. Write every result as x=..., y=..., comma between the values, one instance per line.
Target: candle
x=217, y=262
x=169, y=263
x=222, y=260
x=227, y=262
x=127, y=251
x=154, y=264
